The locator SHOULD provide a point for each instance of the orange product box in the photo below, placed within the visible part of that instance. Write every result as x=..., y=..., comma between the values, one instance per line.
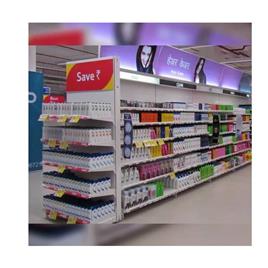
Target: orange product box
x=149, y=117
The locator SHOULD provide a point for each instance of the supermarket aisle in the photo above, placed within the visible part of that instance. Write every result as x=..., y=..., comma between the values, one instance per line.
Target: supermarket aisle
x=224, y=200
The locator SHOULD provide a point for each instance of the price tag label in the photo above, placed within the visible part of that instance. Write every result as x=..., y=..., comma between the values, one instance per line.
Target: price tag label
x=75, y=119
x=59, y=193
x=154, y=143
x=52, y=143
x=138, y=144
x=52, y=215
x=43, y=117
x=64, y=145
x=172, y=176
x=147, y=143
x=62, y=119
x=71, y=220
x=61, y=169
x=161, y=142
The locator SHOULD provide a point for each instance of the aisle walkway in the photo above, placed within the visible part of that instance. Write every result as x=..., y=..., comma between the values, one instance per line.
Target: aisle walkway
x=214, y=213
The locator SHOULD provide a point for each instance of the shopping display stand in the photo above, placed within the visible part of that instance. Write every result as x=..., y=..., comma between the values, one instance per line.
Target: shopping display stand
x=111, y=91
x=95, y=82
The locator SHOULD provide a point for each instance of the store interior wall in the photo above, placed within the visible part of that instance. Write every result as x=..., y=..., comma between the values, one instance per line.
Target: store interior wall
x=154, y=93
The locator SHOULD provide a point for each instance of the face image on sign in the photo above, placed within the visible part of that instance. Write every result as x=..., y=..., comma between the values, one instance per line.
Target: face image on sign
x=145, y=58
x=199, y=74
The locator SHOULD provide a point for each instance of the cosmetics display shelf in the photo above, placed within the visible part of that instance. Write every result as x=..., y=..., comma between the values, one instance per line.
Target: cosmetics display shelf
x=78, y=220
x=126, y=186
x=64, y=216
x=244, y=122
x=83, y=195
x=170, y=192
x=225, y=133
x=172, y=138
x=131, y=163
x=71, y=118
x=220, y=145
x=228, y=143
x=64, y=144
x=212, y=160
x=167, y=192
x=79, y=169
x=223, y=121
x=221, y=111
x=139, y=124
x=236, y=142
x=145, y=109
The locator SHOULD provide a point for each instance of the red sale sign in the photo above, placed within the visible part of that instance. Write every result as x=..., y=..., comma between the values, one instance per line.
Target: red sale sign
x=91, y=75
x=53, y=99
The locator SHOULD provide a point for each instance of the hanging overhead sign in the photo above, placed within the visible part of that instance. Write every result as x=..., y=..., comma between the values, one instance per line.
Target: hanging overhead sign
x=173, y=63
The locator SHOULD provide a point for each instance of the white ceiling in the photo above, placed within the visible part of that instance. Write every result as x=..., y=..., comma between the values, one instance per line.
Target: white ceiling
x=50, y=60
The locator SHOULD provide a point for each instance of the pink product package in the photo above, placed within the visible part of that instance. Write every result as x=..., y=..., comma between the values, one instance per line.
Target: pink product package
x=164, y=149
x=152, y=134
x=230, y=127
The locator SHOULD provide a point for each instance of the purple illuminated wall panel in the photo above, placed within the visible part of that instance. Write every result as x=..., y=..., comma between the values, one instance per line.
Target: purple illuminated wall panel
x=213, y=72
x=174, y=63
x=230, y=78
x=126, y=55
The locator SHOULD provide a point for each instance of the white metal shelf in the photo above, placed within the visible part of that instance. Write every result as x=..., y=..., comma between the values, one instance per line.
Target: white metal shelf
x=77, y=143
x=212, y=160
x=167, y=193
x=55, y=118
x=172, y=110
x=170, y=192
x=168, y=123
x=214, y=176
x=224, y=121
x=76, y=193
x=236, y=142
x=79, y=169
x=126, y=186
x=79, y=220
x=138, y=109
x=175, y=171
x=171, y=138
x=224, y=133
x=131, y=163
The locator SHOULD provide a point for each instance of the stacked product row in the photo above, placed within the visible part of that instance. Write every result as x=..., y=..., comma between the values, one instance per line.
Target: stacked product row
x=90, y=211
x=188, y=179
x=68, y=181
x=133, y=174
x=168, y=148
x=177, y=105
x=92, y=161
x=176, y=117
x=80, y=196
x=142, y=194
x=161, y=132
x=183, y=180
x=90, y=109
x=78, y=135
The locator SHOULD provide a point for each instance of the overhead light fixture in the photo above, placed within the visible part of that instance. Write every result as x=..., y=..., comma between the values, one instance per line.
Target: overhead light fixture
x=139, y=78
